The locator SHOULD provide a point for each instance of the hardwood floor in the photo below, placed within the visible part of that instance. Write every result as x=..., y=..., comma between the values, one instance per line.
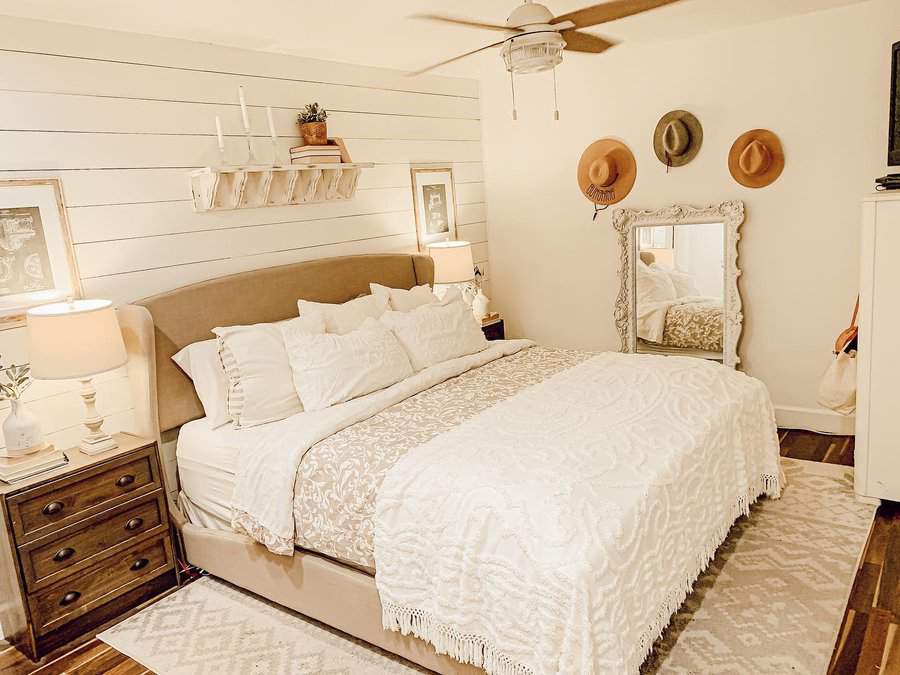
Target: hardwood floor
x=868, y=643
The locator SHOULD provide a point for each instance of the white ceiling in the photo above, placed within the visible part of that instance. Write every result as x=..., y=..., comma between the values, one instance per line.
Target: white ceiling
x=379, y=33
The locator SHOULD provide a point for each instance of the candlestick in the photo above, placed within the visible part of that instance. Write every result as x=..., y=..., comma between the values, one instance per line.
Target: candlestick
x=244, y=116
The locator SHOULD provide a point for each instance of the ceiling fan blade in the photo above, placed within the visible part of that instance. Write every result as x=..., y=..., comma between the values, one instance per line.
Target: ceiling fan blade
x=585, y=42
x=456, y=58
x=465, y=22
x=609, y=11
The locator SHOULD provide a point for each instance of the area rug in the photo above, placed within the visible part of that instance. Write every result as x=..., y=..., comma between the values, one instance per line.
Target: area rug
x=771, y=602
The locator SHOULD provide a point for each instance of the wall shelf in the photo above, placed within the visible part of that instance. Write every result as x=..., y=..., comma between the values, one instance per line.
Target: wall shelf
x=231, y=188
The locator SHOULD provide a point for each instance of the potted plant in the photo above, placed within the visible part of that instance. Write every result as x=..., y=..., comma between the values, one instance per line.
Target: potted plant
x=22, y=428
x=312, y=125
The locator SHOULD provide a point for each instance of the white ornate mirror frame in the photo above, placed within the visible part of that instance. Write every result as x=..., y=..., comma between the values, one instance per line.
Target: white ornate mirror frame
x=731, y=214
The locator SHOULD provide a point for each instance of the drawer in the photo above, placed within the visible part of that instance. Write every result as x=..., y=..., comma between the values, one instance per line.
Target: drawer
x=56, y=504
x=77, y=546
x=100, y=583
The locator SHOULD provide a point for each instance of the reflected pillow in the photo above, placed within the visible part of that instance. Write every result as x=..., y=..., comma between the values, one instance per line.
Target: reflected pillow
x=348, y=316
x=682, y=281
x=403, y=300
x=653, y=285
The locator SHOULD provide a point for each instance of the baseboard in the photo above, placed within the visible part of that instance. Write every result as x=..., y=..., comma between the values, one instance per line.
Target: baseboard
x=815, y=419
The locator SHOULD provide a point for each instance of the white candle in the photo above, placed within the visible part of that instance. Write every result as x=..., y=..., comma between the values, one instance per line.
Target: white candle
x=244, y=116
x=219, y=137
x=271, y=123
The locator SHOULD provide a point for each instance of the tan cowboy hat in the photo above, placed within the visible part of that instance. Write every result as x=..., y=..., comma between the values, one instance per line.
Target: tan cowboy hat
x=756, y=158
x=606, y=171
x=677, y=138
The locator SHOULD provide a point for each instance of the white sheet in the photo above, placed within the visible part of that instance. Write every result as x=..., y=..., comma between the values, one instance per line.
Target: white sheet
x=207, y=461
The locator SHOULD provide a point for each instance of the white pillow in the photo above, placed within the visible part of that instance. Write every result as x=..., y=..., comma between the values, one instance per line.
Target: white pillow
x=330, y=369
x=261, y=385
x=200, y=362
x=682, y=281
x=402, y=300
x=431, y=334
x=653, y=285
x=348, y=316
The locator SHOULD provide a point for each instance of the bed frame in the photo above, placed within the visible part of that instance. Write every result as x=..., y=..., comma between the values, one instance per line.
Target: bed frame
x=164, y=399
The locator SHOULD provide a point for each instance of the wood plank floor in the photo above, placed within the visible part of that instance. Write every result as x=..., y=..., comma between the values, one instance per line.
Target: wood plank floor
x=868, y=643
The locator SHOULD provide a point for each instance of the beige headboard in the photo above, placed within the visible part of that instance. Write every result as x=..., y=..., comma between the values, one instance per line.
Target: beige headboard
x=158, y=327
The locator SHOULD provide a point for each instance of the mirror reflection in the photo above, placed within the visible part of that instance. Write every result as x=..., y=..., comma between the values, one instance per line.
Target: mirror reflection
x=679, y=288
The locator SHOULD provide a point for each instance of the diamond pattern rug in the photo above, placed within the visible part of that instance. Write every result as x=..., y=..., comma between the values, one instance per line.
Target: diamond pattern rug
x=770, y=602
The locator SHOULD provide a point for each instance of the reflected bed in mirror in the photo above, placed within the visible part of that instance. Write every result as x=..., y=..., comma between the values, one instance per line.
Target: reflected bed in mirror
x=679, y=292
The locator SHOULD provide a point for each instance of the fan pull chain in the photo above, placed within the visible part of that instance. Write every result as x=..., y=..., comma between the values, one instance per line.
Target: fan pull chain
x=512, y=85
x=555, y=98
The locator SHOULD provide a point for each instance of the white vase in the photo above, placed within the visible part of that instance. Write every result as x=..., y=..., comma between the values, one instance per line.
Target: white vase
x=480, y=305
x=21, y=431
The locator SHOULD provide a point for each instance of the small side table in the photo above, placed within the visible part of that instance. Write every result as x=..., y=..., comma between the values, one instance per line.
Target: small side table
x=494, y=329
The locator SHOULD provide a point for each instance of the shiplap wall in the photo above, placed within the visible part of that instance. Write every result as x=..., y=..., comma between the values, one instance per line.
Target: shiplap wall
x=121, y=118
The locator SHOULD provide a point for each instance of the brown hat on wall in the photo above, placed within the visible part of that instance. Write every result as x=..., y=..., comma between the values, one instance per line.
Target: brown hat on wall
x=756, y=158
x=607, y=171
x=677, y=138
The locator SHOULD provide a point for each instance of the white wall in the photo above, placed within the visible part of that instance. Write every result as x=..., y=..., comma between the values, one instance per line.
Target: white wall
x=820, y=81
x=700, y=251
x=121, y=119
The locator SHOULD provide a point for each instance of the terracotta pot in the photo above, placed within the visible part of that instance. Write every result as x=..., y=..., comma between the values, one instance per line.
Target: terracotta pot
x=314, y=133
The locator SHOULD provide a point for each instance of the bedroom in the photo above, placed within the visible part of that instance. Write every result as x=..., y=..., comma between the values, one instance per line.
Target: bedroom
x=112, y=111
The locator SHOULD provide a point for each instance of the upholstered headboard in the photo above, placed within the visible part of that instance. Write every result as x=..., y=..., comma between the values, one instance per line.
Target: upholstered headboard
x=158, y=327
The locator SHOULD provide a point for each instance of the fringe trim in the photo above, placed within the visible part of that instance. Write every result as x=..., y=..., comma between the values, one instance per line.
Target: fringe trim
x=481, y=652
x=464, y=647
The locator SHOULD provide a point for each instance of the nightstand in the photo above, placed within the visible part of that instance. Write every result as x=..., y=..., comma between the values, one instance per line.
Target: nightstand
x=494, y=330
x=83, y=544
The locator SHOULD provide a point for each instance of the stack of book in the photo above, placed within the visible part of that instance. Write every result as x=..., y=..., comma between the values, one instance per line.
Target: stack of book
x=316, y=154
x=13, y=469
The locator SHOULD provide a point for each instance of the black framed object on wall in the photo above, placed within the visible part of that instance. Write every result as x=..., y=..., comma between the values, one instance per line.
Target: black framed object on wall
x=894, y=140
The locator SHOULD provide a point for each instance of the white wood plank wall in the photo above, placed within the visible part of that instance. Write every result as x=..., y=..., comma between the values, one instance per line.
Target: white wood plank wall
x=120, y=118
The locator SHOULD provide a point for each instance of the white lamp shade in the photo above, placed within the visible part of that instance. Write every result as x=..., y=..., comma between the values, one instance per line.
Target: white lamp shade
x=76, y=339
x=452, y=262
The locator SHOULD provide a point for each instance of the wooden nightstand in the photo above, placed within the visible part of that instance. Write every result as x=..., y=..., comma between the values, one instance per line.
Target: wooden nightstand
x=494, y=330
x=83, y=544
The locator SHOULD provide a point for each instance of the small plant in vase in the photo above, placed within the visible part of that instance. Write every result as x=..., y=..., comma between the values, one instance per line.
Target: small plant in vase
x=22, y=428
x=313, y=127
x=480, y=303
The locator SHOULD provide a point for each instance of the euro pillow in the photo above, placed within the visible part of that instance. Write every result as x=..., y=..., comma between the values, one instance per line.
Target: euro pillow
x=403, y=300
x=653, y=285
x=330, y=368
x=683, y=282
x=255, y=361
x=346, y=317
x=200, y=361
x=431, y=334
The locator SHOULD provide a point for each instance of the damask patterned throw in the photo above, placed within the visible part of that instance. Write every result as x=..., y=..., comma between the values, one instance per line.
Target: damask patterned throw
x=558, y=530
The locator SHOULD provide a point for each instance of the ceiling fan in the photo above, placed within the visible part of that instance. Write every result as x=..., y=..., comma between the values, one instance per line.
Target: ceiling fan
x=535, y=38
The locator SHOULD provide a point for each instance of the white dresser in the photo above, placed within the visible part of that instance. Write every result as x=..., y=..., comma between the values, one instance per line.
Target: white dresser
x=878, y=396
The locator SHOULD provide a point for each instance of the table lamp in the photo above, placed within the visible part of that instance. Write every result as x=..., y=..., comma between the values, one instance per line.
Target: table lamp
x=76, y=340
x=452, y=262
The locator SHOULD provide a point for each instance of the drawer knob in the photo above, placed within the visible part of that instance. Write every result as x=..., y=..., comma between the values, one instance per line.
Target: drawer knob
x=134, y=523
x=52, y=508
x=63, y=554
x=139, y=564
x=69, y=598
x=125, y=480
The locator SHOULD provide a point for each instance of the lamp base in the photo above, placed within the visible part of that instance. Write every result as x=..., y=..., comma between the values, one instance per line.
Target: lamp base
x=96, y=441
x=90, y=446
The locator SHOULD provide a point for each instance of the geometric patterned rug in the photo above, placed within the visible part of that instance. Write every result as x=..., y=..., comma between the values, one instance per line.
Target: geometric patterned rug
x=770, y=602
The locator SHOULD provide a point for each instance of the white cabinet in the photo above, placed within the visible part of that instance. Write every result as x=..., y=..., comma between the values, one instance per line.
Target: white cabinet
x=878, y=395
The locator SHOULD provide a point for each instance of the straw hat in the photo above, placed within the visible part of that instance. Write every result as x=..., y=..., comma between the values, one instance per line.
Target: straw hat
x=756, y=158
x=606, y=171
x=677, y=138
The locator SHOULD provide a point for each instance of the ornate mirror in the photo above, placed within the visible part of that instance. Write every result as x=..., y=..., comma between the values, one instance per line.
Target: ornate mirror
x=679, y=281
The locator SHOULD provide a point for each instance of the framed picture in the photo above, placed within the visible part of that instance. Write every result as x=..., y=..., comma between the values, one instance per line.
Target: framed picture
x=894, y=127
x=37, y=262
x=434, y=201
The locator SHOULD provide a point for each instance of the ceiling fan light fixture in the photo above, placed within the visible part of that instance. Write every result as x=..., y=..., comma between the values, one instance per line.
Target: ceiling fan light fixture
x=533, y=52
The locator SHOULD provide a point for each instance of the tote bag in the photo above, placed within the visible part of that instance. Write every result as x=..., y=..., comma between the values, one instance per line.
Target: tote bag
x=837, y=389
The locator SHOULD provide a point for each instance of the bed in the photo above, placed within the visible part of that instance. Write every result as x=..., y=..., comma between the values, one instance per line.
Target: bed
x=494, y=507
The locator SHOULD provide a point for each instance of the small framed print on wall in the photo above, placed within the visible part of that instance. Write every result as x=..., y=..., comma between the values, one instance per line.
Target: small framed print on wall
x=37, y=261
x=434, y=201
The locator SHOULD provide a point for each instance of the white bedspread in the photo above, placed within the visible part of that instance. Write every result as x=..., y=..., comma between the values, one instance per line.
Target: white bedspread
x=557, y=531
x=266, y=470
